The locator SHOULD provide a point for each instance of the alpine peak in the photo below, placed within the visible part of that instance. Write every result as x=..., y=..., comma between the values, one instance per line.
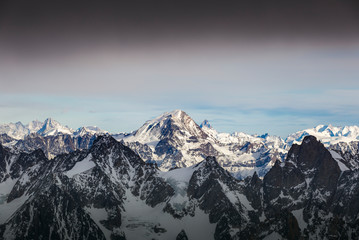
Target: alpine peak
x=52, y=127
x=168, y=125
x=327, y=134
x=177, y=113
x=206, y=124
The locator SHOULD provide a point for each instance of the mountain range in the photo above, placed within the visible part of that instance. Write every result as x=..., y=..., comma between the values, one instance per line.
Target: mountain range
x=49, y=136
x=175, y=179
x=109, y=192
x=49, y=127
x=175, y=140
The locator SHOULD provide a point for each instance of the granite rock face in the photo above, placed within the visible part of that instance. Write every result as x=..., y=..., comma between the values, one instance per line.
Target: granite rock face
x=109, y=192
x=61, y=196
x=307, y=185
x=349, y=151
x=54, y=145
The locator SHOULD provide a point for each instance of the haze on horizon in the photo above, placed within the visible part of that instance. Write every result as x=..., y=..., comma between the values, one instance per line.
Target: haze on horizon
x=256, y=67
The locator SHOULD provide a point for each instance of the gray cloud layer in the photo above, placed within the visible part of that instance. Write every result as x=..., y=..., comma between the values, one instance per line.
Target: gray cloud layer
x=293, y=61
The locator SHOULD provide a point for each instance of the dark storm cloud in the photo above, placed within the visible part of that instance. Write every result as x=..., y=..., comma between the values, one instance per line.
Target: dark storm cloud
x=56, y=26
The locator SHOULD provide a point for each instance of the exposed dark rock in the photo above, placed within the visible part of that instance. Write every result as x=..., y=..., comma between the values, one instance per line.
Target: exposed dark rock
x=252, y=191
x=208, y=185
x=55, y=145
x=182, y=236
x=143, y=150
x=165, y=147
x=305, y=197
x=4, y=138
x=53, y=215
x=349, y=152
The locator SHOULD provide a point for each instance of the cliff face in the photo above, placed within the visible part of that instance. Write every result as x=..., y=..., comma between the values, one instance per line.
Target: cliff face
x=109, y=192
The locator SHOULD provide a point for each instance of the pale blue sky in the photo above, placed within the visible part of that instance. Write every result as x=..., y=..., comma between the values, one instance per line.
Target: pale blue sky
x=276, y=87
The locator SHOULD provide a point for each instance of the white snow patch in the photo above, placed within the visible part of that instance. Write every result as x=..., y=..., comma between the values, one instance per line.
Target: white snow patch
x=273, y=236
x=337, y=158
x=298, y=214
x=181, y=175
x=244, y=201
x=82, y=166
x=262, y=218
x=98, y=214
x=236, y=197
x=24, y=179
x=140, y=219
x=8, y=209
x=5, y=189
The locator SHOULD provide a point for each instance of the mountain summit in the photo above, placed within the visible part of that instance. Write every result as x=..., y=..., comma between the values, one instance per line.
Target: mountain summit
x=52, y=127
x=206, y=124
x=165, y=138
x=176, y=124
x=174, y=139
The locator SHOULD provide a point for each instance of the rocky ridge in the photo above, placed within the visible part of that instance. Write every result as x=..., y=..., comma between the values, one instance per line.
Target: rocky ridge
x=109, y=192
x=49, y=136
x=174, y=140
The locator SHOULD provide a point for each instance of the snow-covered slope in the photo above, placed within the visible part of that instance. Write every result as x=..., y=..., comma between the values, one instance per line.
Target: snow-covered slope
x=92, y=130
x=327, y=134
x=52, y=127
x=49, y=127
x=349, y=153
x=50, y=136
x=15, y=130
x=175, y=140
x=342, y=141
x=176, y=124
x=169, y=138
x=109, y=192
x=34, y=126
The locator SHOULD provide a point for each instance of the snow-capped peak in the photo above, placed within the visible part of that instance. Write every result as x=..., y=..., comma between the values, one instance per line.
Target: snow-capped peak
x=92, y=130
x=327, y=134
x=34, y=126
x=206, y=124
x=19, y=125
x=209, y=130
x=175, y=124
x=49, y=127
x=49, y=124
x=15, y=130
x=176, y=114
x=52, y=127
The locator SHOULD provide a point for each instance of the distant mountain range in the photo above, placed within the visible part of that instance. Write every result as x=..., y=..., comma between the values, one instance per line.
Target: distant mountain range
x=49, y=136
x=49, y=127
x=175, y=140
x=327, y=134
